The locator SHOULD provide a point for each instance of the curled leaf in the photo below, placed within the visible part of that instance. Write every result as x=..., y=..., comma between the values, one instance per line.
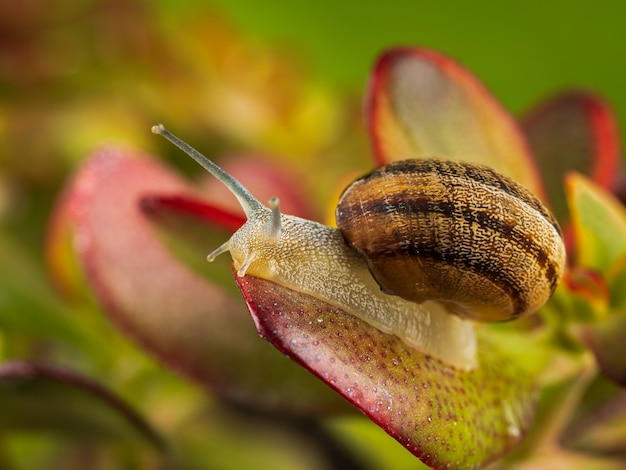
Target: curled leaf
x=422, y=104
x=598, y=222
x=190, y=323
x=176, y=208
x=447, y=417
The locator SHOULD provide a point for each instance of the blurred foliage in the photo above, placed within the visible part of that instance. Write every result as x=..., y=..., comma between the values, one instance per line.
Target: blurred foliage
x=522, y=51
x=75, y=75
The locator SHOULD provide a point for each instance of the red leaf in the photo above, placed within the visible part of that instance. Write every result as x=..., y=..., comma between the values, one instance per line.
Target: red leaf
x=447, y=417
x=264, y=178
x=422, y=104
x=573, y=131
x=177, y=206
x=190, y=323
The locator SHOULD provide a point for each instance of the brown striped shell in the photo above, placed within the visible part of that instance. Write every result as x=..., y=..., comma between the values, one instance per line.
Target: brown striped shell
x=454, y=232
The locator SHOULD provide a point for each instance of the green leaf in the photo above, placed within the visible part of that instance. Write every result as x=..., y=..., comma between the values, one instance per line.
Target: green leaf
x=616, y=280
x=227, y=438
x=28, y=304
x=598, y=221
x=599, y=422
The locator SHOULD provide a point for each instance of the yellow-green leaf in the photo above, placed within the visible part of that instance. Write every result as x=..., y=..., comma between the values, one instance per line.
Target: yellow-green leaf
x=598, y=221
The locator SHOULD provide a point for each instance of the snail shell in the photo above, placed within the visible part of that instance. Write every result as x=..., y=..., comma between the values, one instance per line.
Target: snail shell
x=457, y=233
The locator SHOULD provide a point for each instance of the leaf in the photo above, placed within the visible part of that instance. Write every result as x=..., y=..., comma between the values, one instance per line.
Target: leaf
x=188, y=322
x=178, y=209
x=447, y=417
x=265, y=178
x=598, y=222
x=588, y=296
x=599, y=424
x=226, y=438
x=189, y=229
x=573, y=131
x=606, y=338
x=51, y=398
x=557, y=458
x=616, y=280
x=422, y=104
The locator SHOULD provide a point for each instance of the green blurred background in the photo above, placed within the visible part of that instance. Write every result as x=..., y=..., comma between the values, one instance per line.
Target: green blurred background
x=521, y=50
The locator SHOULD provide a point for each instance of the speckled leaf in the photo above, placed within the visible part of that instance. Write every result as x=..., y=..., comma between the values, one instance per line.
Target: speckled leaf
x=422, y=104
x=192, y=324
x=598, y=221
x=606, y=338
x=49, y=398
x=573, y=131
x=447, y=417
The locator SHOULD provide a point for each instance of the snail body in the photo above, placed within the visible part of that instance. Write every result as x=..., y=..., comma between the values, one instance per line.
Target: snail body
x=315, y=259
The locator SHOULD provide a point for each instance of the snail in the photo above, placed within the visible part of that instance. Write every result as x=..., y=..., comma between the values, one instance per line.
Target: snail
x=470, y=244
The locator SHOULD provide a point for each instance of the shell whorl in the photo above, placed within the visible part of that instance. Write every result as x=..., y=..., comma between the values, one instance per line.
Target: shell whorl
x=454, y=232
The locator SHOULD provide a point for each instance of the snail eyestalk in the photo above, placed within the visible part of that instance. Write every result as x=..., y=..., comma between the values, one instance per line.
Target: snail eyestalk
x=218, y=251
x=241, y=272
x=274, y=225
x=248, y=202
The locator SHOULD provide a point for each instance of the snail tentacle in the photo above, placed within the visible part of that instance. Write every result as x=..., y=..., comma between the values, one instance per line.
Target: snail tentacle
x=274, y=225
x=218, y=251
x=248, y=202
x=241, y=272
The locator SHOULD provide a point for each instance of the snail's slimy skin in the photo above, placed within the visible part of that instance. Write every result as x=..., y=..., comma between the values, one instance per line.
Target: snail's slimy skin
x=312, y=258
